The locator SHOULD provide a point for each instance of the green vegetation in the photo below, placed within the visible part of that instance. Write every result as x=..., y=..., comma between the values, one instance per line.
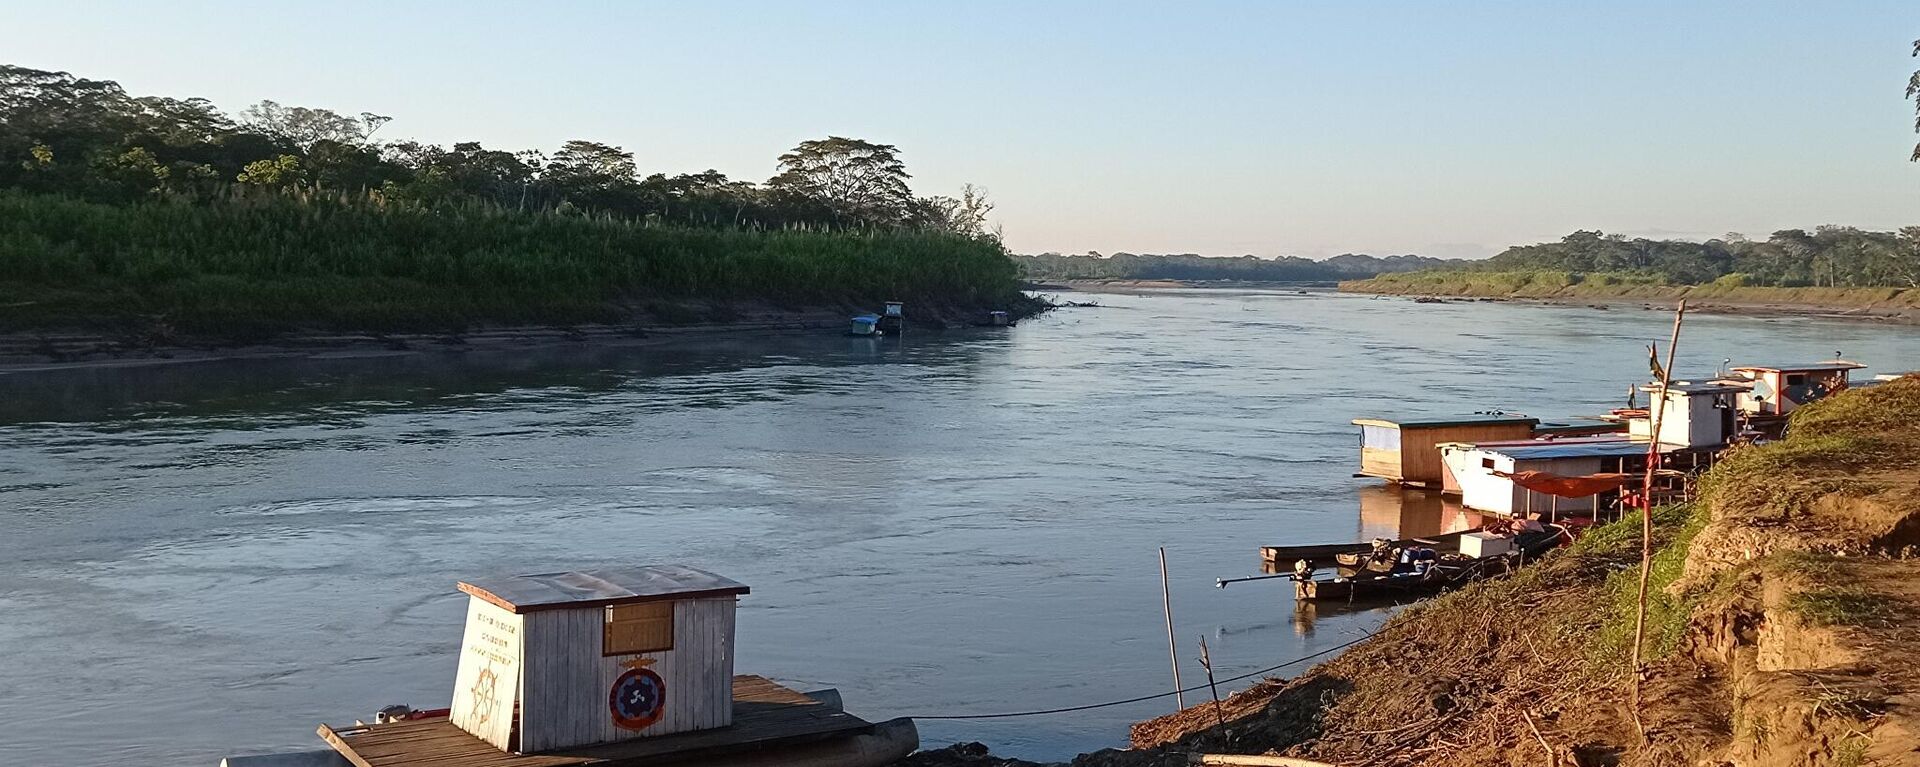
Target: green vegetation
x=261, y=262
x=1832, y=440
x=1843, y=606
x=1128, y=266
x=90, y=138
x=1675, y=528
x=153, y=215
x=1833, y=263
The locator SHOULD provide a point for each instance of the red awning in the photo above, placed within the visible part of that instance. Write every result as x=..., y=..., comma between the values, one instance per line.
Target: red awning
x=1567, y=487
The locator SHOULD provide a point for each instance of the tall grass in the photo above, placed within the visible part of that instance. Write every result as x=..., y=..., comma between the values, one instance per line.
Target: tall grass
x=264, y=262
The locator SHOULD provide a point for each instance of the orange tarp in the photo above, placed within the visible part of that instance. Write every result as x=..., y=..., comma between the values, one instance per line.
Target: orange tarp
x=1567, y=487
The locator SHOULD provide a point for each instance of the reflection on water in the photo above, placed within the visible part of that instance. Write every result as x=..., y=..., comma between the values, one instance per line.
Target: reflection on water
x=227, y=554
x=1388, y=511
x=1396, y=513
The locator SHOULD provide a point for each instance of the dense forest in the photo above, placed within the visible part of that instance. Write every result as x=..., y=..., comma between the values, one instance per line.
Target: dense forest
x=70, y=135
x=1829, y=256
x=1189, y=267
x=166, y=214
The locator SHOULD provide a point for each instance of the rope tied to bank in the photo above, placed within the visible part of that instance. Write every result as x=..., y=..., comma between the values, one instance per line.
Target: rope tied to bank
x=1196, y=688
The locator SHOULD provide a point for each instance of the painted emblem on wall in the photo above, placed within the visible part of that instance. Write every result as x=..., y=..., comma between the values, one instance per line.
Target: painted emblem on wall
x=638, y=699
x=484, y=700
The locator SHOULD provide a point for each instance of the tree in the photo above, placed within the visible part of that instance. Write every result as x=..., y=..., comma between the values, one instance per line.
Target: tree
x=282, y=171
x=1913, y=90
x=855, y=182
x=585, y=167
x=966, y=216
x=304, y=127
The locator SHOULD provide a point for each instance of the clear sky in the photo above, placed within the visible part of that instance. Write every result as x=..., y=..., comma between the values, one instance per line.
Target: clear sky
x=1272, y=128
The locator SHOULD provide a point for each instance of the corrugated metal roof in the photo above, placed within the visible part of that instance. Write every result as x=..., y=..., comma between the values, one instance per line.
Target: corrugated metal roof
x=1701, y=387
x=1804, y=367
x=595, y=588
x=1561, y=449
x=1432, y=422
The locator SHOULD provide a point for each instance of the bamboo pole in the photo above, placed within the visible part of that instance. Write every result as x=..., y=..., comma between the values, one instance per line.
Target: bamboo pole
x=1659, y=409
x=1206, y=662
x=1173, y=651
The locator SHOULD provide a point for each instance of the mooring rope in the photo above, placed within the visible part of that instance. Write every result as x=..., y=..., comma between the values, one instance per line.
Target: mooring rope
x=1195, y=688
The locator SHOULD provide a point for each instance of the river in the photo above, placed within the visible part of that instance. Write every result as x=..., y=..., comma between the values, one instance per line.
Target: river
x=210, y=559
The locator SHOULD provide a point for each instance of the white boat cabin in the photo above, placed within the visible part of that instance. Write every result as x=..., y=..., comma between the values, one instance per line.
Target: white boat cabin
x=1780, y=389
x=1478, y=469
x=1703, y=414
x=566, y=659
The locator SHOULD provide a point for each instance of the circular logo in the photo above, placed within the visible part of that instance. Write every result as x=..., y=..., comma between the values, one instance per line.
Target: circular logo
x=638, y=699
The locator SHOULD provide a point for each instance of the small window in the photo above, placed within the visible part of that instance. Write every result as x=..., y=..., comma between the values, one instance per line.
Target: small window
x=631, y=629
x=1796, y=379
x=1486, y=463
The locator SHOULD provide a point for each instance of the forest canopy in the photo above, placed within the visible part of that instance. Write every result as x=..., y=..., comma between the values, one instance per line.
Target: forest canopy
x=89, y=138
x=1835, y=256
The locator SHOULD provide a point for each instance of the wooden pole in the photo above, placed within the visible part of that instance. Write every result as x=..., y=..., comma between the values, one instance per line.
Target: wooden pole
x=1659, y=409
x=1173, y=651
x=1260, y=760
x=1206, y=662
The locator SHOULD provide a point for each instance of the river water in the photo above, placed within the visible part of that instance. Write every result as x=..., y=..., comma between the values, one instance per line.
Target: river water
x=209, y=559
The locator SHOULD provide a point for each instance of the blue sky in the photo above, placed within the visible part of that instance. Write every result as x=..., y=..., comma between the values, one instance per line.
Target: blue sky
x=1221, y=128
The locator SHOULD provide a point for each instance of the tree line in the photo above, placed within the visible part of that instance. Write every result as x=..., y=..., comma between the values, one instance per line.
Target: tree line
x=89, y=138
x=1191, y=267
x=1828, y=256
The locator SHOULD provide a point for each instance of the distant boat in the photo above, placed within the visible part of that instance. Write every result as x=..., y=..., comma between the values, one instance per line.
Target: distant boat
x=866, y=325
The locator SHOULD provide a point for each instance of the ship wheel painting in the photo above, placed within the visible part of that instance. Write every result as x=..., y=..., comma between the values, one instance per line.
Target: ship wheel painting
x=638, y=699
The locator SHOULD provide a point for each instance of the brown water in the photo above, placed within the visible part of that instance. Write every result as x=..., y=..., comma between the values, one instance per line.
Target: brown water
x=210, y=559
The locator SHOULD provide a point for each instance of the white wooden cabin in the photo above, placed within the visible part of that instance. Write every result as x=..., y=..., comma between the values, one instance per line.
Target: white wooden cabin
x=566, y=659
x=1781, y=389
x=1703, y=414
x=1473, y=467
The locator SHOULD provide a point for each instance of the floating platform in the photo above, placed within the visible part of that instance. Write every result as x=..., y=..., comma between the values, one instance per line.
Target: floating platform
x=766, y=716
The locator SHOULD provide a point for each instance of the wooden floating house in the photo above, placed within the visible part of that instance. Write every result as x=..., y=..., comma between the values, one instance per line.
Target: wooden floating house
x=1702, y=414
x=1407, y=452
x=1484, y=471
x=1778, y=390
x=618, y=667
x=1697, y=420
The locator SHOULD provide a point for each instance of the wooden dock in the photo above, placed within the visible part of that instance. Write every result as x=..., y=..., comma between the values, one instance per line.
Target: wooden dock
x=765, y=714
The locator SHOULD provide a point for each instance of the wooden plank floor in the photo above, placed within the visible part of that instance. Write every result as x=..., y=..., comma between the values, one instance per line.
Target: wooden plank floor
x=765, y=714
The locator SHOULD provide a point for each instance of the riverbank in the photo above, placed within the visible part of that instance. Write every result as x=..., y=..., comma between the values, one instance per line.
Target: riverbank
x=1137, y=286
x=27, y=352
x=1784, y=605
x=1896, y=305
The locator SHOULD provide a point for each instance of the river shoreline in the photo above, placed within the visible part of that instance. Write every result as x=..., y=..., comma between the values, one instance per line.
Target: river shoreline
x=1785, y=302
x=1775, y=637
x=1891, y=306
x=38, y=352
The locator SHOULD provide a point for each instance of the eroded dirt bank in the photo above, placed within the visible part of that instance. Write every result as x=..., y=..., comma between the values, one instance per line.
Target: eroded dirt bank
x=1782, y=633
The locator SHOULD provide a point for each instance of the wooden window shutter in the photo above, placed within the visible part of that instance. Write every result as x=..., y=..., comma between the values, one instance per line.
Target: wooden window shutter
x=645, y=627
